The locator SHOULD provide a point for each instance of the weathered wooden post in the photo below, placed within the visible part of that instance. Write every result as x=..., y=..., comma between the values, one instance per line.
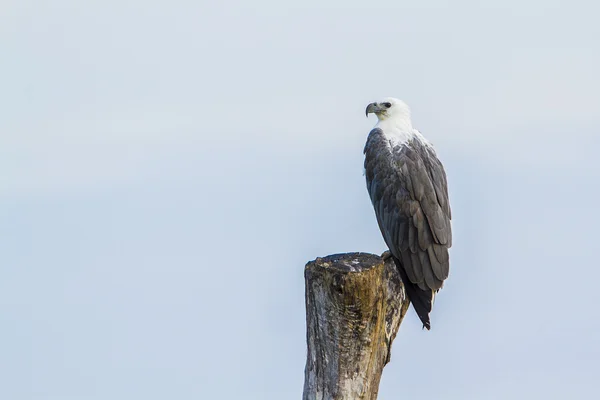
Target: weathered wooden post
x=355, y=303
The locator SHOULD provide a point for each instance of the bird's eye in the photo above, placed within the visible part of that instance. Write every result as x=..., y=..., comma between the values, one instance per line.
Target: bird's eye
x=387, y=105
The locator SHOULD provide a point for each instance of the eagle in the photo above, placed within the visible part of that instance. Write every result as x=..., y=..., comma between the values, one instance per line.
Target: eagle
x=408, y=189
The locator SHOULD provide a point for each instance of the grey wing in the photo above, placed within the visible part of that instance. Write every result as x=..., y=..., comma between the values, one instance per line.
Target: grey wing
x=409, y=192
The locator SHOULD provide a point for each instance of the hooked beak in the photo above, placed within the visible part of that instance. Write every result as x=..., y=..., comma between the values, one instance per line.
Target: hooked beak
x=373, y=108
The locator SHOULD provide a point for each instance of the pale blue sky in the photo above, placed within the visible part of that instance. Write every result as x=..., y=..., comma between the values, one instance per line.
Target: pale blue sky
x=167, y=169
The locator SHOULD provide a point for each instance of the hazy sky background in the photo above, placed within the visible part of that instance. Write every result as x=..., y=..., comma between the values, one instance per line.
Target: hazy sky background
x=167, y=169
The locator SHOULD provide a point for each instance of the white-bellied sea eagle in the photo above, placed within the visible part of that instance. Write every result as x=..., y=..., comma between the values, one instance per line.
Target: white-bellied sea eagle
x=407, y=185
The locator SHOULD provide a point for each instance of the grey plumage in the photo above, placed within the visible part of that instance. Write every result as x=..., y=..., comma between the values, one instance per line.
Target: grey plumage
x=408, y=188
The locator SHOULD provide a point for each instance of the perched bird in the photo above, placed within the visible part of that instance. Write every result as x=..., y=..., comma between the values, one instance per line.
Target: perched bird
x=407, y=185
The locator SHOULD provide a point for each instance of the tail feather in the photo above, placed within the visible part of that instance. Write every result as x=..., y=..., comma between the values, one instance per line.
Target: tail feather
x=422, y=300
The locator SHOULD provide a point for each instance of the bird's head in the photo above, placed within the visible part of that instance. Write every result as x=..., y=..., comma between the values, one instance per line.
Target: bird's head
x=389, y=108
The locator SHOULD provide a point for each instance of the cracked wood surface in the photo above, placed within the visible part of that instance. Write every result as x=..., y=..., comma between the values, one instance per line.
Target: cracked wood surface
x=355, y=303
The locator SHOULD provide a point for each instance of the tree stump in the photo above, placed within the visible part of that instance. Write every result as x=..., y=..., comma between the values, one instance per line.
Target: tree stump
x=355, y=303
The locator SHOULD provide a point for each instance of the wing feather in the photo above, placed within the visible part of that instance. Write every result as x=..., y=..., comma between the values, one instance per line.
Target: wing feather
x=408, y=189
